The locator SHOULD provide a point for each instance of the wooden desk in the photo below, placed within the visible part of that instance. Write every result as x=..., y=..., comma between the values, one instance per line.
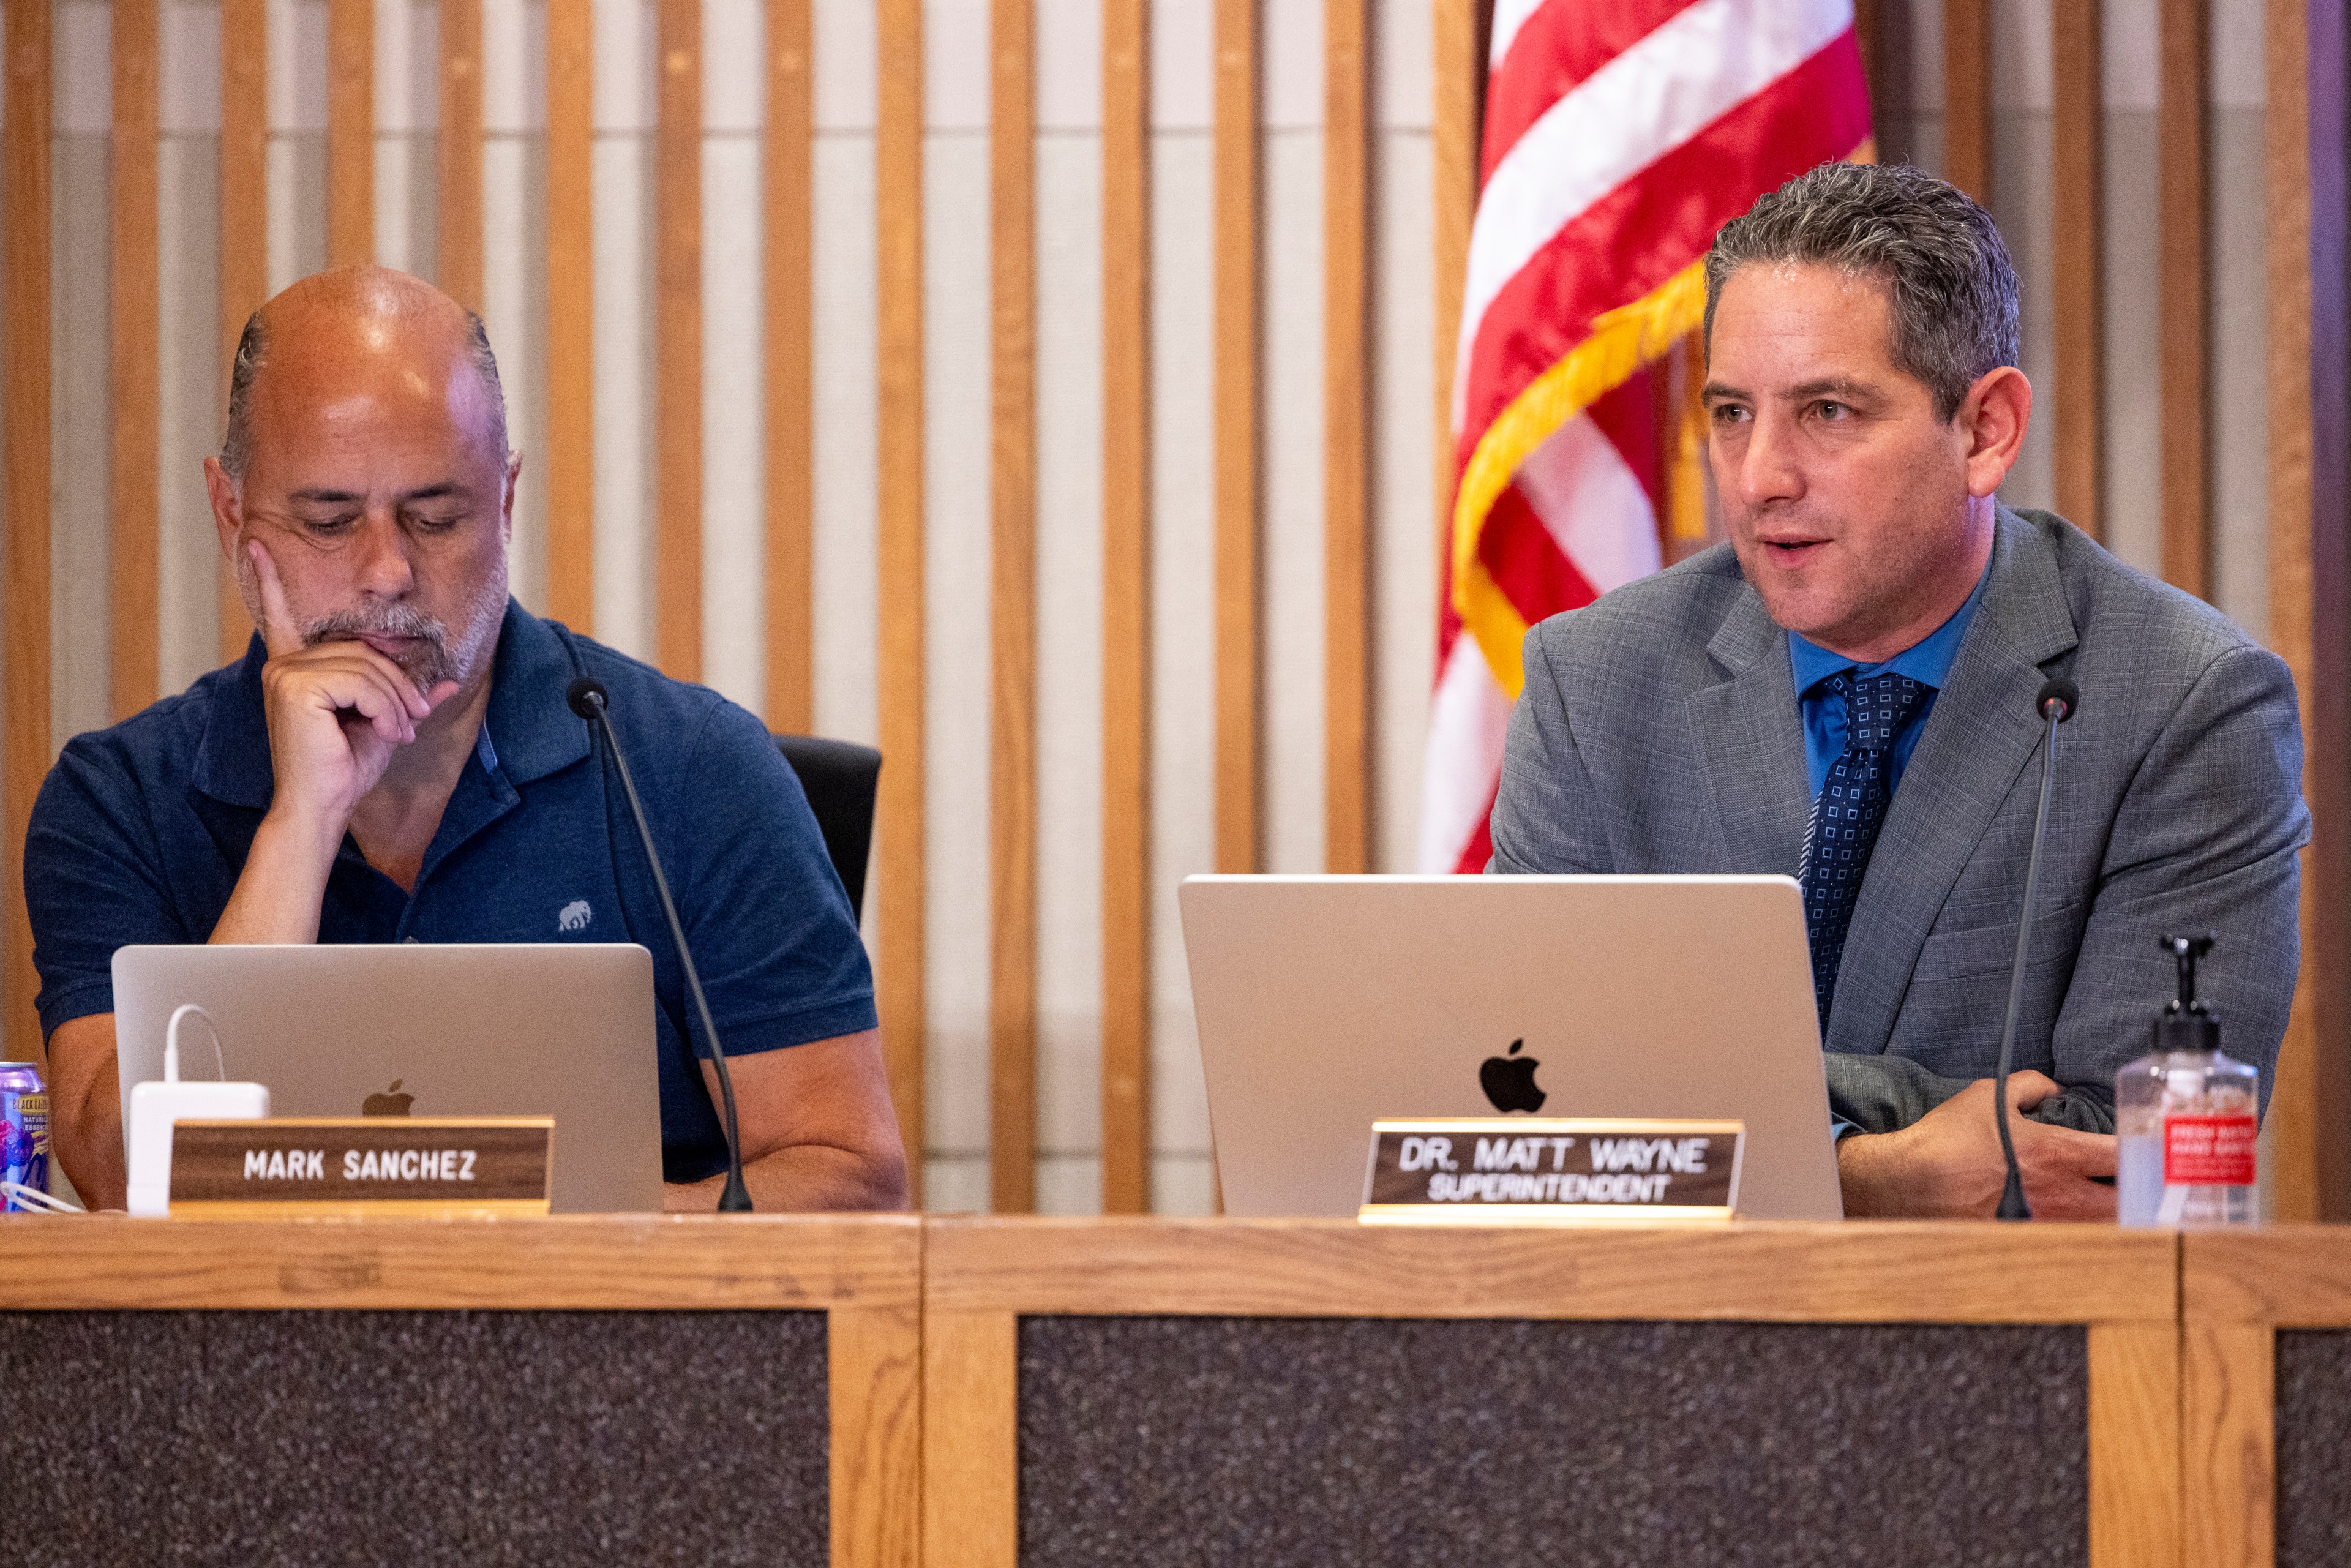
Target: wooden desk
x=1106, y=1391
x=2265, y=1330
x=635, y=1389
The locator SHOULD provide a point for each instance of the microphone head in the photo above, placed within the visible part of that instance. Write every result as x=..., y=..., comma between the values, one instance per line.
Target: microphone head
x=2057, y=689
x=586, y=695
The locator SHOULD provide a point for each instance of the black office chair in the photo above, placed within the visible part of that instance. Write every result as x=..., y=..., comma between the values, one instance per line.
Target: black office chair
x=840, y=778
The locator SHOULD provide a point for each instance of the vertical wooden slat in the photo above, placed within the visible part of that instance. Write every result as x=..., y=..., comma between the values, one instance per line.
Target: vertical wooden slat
x=2135, y=1444
x=873, y=1367
x=1454, y=147
x=24, y=331
x=2229, y=1436
x=350, y=132
x=133, y=586
x=569, y=472
x=1966, y=96
x=677, y=340
x=2183, y=233
x=1238, y=833
x=898, y=180
x=243, y=225
x=1012, y=613
x=2078, y=308
x=458, y=198
x=1126, y=607
x=2309, y=396
x=1869, y=35
x=971, y=1439
x=1346, y=407
x=788, y=175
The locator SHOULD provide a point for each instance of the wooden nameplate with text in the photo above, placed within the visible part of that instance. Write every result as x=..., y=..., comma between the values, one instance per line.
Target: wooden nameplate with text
x=1522, y=1170
x=438, y=1166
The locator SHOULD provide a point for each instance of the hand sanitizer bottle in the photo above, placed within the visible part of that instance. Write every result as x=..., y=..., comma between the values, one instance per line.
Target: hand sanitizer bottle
x=2185, y=1116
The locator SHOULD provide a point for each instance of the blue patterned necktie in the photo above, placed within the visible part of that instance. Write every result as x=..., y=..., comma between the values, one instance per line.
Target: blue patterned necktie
x=1847, y=813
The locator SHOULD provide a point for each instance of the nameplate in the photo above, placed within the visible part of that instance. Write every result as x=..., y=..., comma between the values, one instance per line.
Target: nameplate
x=1522, y=1170
x=362, y=1165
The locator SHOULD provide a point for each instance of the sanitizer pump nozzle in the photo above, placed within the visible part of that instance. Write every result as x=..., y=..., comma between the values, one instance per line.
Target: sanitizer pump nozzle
x=156, y=1106
x=2186, y=1116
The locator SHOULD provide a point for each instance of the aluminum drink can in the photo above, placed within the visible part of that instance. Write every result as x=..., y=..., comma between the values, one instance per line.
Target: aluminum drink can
x=24, y=1130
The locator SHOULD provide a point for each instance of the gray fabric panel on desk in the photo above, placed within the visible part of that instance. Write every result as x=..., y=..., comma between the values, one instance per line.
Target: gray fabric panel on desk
x=255, y=1438
x=1278, y=1441
x=2314, y=1447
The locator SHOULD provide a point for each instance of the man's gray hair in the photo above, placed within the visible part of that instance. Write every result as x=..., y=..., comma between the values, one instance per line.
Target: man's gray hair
x=252, y=348
x=1949, y=285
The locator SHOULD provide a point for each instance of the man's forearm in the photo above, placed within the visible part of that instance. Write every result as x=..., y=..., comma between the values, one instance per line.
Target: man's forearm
x=284, y=883
x=805, y=1179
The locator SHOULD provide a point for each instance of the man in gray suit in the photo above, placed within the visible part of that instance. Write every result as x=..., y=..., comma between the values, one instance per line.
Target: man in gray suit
x=1844, y=693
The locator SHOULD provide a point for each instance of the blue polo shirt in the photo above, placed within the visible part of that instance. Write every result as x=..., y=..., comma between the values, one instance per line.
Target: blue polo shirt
x=140, y=831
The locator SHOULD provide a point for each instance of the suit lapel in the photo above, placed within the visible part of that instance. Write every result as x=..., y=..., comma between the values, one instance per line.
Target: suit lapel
x=1751, y=747
x=1980, y=737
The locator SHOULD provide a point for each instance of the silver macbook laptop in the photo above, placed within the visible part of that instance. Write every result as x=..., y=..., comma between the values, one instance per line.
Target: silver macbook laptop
x=522, y=1029
x=1327, y=1002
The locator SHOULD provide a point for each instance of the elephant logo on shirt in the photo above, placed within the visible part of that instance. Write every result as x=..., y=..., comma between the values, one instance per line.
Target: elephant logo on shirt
x=575, y=916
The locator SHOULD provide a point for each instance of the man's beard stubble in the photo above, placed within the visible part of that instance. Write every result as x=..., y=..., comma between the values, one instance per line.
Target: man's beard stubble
x=433, y=659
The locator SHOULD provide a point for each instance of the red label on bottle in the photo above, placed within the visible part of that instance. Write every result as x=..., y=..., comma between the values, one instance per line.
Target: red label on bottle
x=2209, y=1151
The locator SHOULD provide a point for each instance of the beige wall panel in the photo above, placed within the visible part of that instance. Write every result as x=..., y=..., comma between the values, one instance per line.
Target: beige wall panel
x=513, y=67
x=514, y=309
x=623, y=176
x=1183, y=783
x=1067, y=38
x=1290, y=68
x=406, y=187
x=1290, y=528
x=734, y=69
x=82, y=81
x=625, y=64
x=845, y=415
x=2133, y=383
x=2237, y=400
x=189, y=415
x=846, y=54
x=1068, y=643
x=298, y=205
x=956, y=479
x=1183, y=39
x=1404, y=565
x=298, y=69
x=188, y=70
x=407, y=67
x=80, y=441
x=2021, y=204
x=954, y=64
x=733, y=411
x=1403, y=84
x=2023, y=65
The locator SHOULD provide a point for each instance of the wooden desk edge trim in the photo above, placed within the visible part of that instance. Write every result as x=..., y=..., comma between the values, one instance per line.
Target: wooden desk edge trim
x=1818, y=1273
x=2284, y=1276
x=564, y=1262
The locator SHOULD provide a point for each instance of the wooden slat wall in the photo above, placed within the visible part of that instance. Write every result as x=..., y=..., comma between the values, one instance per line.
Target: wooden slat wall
x=569, y=472
x=458, y=153
x=1126, y=607
x=350, y=132
x=2308, y=187
x=2184, y=232
x=788, y=175
x=1238, y=831
x=243, y=225
x=1966, y=96
x=677, y=340
x=898, y=349
x=1346, y=409
x=2078, y=310
x=133, y=584
x=1453, y=148
x=1012, y=613
x=24, y=488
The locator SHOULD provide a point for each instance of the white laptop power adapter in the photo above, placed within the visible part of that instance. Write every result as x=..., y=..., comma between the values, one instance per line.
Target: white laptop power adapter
x=155, y=1107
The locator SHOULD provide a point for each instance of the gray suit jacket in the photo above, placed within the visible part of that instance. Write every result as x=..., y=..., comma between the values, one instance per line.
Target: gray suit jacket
x=1659, y=732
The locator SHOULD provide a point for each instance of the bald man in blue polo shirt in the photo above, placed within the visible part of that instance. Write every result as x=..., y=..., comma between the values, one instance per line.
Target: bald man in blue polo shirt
x=393, y=760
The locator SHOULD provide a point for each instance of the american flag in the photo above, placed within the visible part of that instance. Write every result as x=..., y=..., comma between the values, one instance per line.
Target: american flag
x=1619, y=136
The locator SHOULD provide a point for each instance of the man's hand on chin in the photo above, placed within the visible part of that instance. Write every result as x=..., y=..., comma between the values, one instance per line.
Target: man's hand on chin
x=1947, y=1164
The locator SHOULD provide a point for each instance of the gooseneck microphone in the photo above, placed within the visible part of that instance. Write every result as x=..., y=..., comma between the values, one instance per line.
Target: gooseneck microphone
x=589, y=699
x=2055, y=703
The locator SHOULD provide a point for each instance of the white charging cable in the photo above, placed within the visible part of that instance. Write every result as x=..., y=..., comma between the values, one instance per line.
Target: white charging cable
x=34, y=1197
x=171, y=1043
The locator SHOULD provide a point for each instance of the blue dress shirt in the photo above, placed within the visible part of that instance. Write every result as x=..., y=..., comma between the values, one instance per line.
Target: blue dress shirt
x=1927, y=662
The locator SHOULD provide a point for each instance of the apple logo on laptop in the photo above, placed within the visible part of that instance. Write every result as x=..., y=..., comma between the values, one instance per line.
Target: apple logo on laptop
x=1508, y=1080
x=395, y=1103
